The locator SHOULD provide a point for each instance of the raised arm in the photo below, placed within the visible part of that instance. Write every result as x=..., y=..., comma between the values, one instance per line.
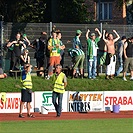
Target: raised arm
x=27, y=40
x=21, y=42
x=124, y=49
x=87, y=34
x=32, y=44
x=104, y=36
x=99, y=33
x=117, y=36
x=11, y=43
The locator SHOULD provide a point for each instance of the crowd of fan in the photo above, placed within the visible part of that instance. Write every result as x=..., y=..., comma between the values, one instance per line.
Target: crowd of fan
x=49, y=51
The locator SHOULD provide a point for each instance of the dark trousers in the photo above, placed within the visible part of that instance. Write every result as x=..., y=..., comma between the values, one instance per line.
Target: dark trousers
x=58, y=106
x=15, y=62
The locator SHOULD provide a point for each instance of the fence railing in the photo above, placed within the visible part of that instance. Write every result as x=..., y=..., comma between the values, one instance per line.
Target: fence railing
x=33, y=31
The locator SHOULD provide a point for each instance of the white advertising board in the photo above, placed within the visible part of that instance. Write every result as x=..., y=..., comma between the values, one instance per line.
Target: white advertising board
x=44, y=98
x=122, y=98
x=91, y=101
x=12, y=104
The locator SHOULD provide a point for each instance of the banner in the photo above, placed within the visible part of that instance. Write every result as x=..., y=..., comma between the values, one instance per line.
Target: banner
x=44, y=98
x=72, y=101
x=85, y=101
x=122, y=98
x=12, y=103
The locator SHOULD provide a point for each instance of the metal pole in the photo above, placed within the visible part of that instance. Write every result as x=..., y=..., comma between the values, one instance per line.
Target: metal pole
x=50, y=28
x=99, y=2
x=1, y=41
x=101, y=27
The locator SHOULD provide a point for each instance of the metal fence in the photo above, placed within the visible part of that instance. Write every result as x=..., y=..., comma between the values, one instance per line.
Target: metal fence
x=33, y=31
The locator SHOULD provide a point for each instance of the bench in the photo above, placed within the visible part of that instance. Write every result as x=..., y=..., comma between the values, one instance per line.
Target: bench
x=18, y=72
x=45, y=71
x=66, y=70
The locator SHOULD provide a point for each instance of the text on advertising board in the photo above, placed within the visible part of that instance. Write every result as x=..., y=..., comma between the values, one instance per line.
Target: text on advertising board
x=119, y=100
x=47, y=99
x=92, y=97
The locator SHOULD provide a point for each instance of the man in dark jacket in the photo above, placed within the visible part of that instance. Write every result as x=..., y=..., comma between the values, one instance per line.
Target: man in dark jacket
x=128, y=55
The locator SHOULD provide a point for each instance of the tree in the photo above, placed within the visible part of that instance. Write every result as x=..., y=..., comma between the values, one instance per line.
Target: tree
x=129, y=9
x=29, y=11
x=6, y=9
x=23, y=11
x=72, y=11
x=68, y=11
x=121, y=2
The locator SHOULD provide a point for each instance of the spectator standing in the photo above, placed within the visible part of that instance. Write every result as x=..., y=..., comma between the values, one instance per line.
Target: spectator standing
x=110, y=57
x=26, y=42
x=62, y=52
x=92, y=52
x=16, y=51
x=54, y=48
x=120, y=55
x=26, y=91
x=78, y=57
x=60, y=83
x=101, y=53
x=77, y=44
x=76, y=40
x=128, y=55
x=47, y=50
x=40, y=54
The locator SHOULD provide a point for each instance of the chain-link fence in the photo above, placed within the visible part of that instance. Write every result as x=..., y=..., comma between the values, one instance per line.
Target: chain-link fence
x=33, y=31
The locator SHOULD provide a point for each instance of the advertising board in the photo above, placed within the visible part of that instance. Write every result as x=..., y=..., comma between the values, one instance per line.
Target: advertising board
x=12, y=103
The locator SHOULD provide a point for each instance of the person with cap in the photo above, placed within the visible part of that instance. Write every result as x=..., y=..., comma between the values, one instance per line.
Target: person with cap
x=110, y=57
x=26, y=91
x=120, y=55
x=40, y=45
x=128, y=58
x=101, y=54
x=77, y=45
x=76, y=40
x=92, y=52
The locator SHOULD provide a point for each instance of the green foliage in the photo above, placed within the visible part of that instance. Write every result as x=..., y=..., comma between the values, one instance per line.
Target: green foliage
x=23, y=10
x=67, y=11
x=29, y=11
x=73, y=11
x=121, y=2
